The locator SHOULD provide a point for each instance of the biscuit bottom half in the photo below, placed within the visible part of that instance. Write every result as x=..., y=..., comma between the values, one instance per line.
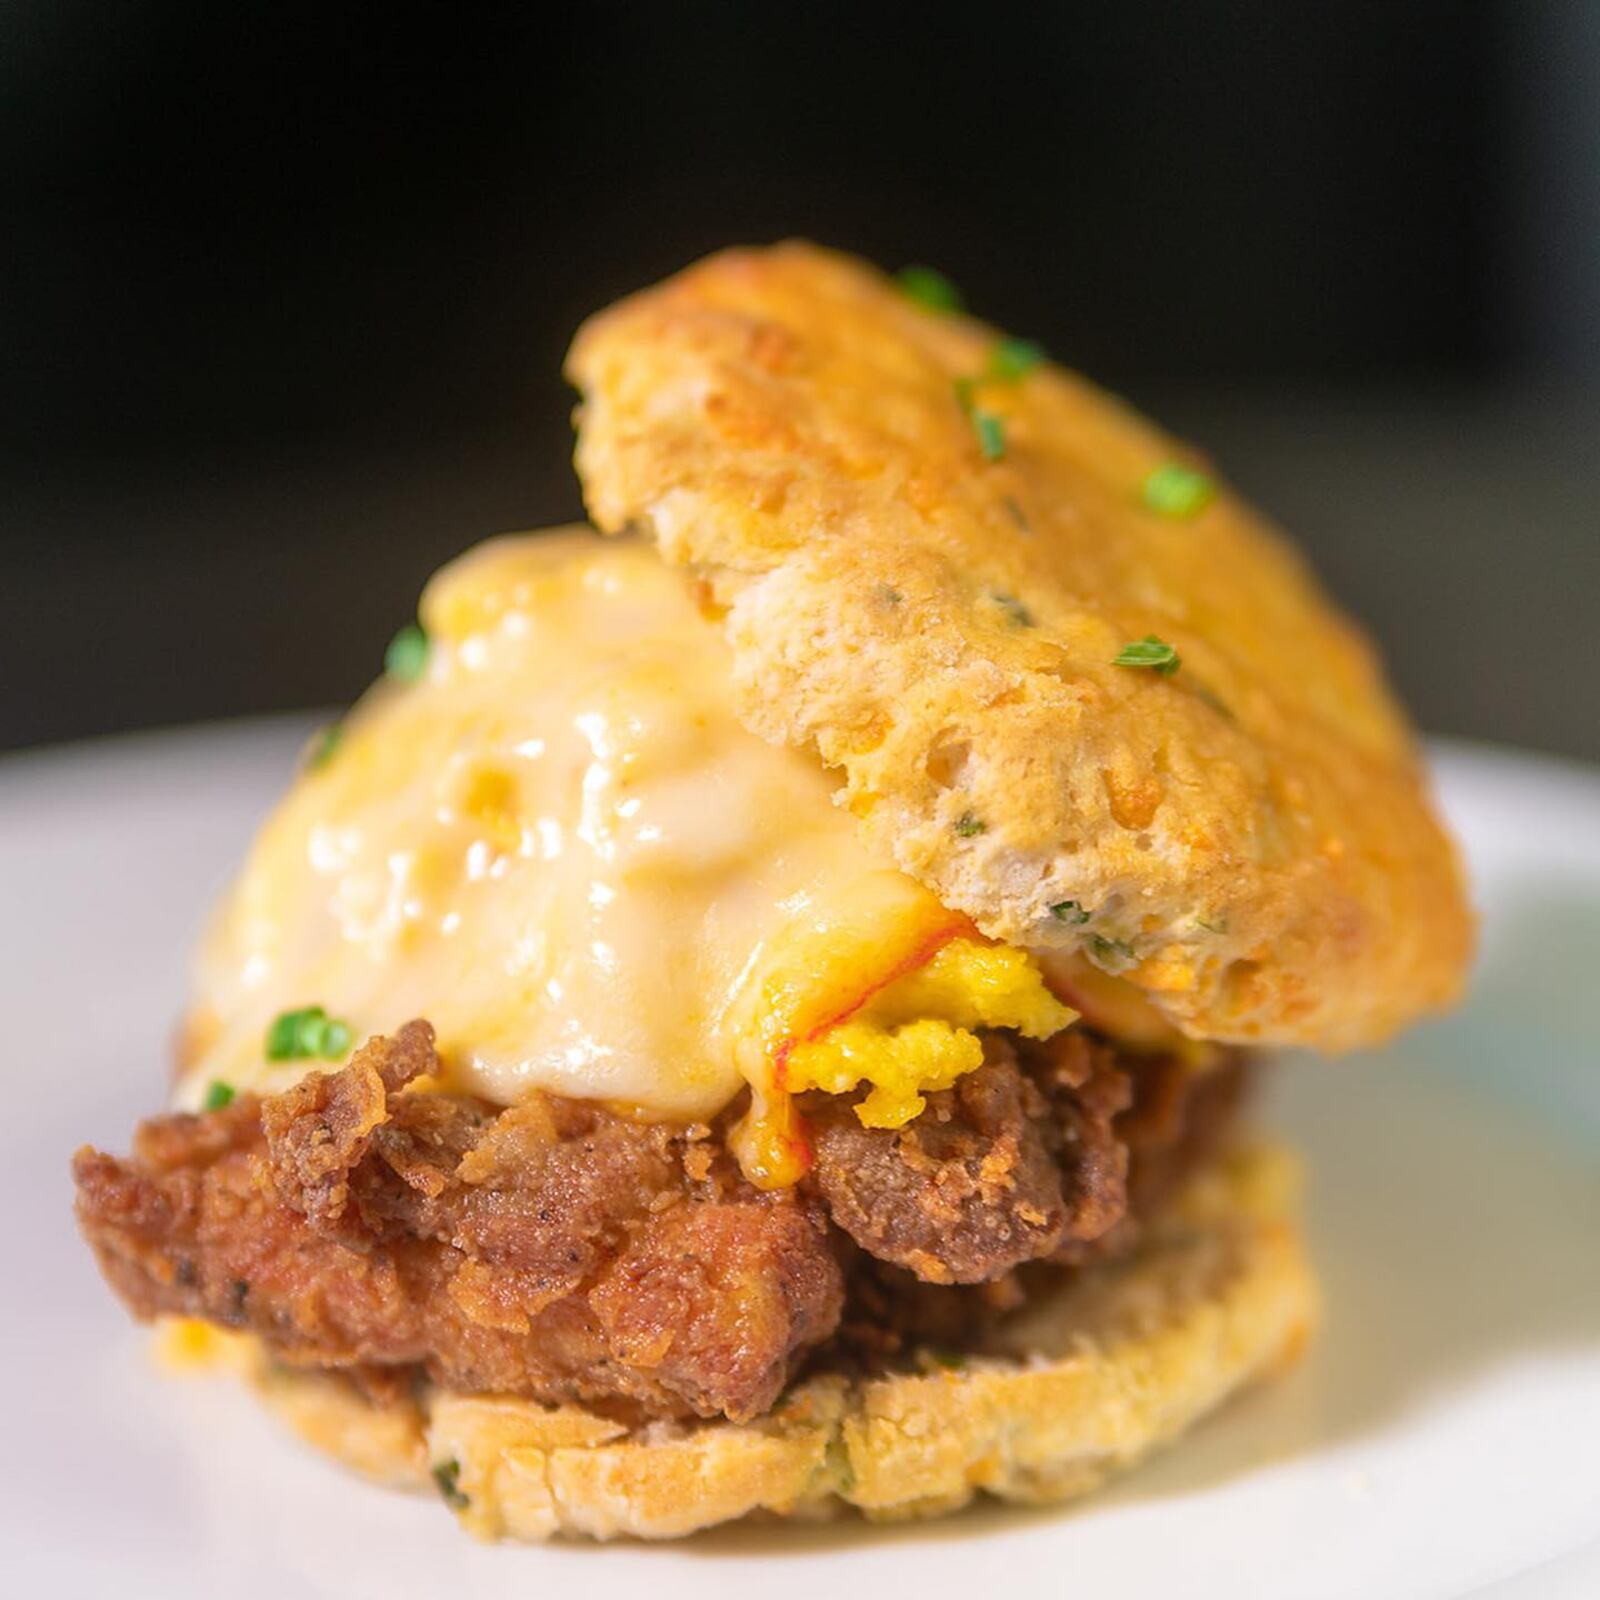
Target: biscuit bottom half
x=1100, y=1371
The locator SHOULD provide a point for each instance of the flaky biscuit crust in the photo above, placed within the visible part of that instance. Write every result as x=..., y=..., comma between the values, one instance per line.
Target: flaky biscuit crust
x=1251, y=837
x=1089, y=1382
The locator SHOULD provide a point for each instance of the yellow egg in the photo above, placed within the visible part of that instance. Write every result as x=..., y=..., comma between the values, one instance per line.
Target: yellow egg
x=916, y=1035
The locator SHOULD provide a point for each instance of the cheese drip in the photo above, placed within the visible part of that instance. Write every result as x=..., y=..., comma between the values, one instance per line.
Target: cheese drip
x=562, y=847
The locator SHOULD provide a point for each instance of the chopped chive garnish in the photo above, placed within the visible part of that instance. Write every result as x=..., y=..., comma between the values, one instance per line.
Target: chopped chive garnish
x=406, y=659
x=967, y=825
x=218, y=1094
x=1151, y=652
x=283, y=1036
x=929, y=288
x=991, y=432
x=1019, y=614
x=990, y=429
x=323, y=744
x=1014, y=358
x=1069, y=911
x=447, y=1475
x=1018, y=515
x=307, y=1035
x=952, y=1360
x=1106, y=949
x=1174, y=490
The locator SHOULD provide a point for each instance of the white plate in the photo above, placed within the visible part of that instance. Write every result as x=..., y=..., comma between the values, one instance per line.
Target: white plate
x=1443, y=1439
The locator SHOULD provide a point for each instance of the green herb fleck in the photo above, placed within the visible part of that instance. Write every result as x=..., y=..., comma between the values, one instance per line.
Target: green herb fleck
x=322, y=746
x=306, y=1035
x=1150, y=652
x=990, y=429
x=1220, y=925
x=953, y=1360
x=1174, y=490
x=1109, y=949
x=1020, y=615
x=406, y=659
x=967, y=825
x=929, y=288
x=991, y=432
x=283, y=1036
x=889, y=595
x=1009, y=361
x=1215, y=701
x=1012, y=359
x=218, y=1094
x=1018, y=515
x=447, y=1475
x=1069, y=911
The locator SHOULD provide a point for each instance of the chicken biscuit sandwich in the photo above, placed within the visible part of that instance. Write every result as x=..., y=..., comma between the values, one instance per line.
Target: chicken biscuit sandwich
x=757, y=1009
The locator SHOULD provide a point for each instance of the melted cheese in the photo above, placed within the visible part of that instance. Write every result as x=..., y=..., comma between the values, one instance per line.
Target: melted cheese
x=563, y=849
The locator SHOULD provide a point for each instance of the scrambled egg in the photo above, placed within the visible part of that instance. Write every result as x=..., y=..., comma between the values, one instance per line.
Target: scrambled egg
x=915, y=1035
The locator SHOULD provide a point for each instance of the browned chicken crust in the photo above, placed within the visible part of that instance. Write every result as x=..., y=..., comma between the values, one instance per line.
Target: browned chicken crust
x=994, y=1173
x=558, y=1251
x=355, y=1226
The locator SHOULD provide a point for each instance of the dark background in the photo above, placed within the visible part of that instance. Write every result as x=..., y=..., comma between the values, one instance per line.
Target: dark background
x=284, y=294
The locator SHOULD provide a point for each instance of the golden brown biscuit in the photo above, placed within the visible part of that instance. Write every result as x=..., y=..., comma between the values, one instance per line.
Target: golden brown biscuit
x=928, y=580
x=1101, y=1374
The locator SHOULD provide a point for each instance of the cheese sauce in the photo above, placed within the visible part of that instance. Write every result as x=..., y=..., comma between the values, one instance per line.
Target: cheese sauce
x=562, y=848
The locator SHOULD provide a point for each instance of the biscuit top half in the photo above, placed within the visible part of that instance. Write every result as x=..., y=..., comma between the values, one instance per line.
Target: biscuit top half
x=1069, y=681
